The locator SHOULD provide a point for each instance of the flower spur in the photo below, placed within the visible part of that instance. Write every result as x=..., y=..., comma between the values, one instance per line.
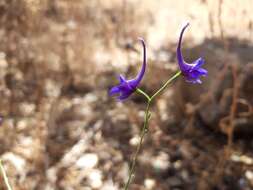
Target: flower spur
x=193, y=71
x=126, y=87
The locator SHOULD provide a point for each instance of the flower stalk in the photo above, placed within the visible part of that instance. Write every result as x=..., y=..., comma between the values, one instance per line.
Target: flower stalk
x=143, y=132
x=145, y=127
x=166, y=84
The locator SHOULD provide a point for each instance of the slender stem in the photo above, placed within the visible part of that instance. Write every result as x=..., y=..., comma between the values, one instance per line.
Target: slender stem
x=6, y=181
x=143, y=132
x=143, y=93
x=165, y=85
x=144, y=129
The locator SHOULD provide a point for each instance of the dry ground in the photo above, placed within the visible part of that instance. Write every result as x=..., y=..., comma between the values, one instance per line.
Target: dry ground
x=62, y=131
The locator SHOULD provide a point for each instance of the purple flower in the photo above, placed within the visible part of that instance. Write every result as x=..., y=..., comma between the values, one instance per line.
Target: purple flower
x=126, y=87
x=193, y=71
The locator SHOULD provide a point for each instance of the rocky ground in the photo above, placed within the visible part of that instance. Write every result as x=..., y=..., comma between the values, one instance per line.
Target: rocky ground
x=61, y=130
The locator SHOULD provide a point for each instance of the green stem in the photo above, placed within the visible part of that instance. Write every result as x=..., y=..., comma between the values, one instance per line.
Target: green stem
x=143, y=132
x=165, y=85
x=143, y=93
x=6, y=181
x=144, y=129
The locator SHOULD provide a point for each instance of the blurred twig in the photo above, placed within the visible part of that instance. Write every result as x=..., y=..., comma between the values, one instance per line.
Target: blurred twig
x=233, y=106
x=222, y=35
x=3, y=173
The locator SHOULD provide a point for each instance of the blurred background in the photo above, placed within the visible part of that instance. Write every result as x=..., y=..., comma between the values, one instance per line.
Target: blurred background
x=60, y=130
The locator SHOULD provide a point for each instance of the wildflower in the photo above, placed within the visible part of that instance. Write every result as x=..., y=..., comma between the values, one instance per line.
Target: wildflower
x=126, y=87
x=193, y=71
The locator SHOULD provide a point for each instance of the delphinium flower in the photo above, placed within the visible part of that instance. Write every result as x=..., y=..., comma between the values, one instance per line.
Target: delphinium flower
x=126, y=87
x=193, y=71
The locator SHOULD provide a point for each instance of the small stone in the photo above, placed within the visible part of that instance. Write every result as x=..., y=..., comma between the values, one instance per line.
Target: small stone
x=135, y=141
x=90, y=98
x=109, y=185
x=87, y=161
x=185, y=175
x=3, y=61
x=178, y=164
x=22, y=124
x=17, y=161
x=71, y=24
x=161, y=162
x=247, y=160
x=27, y=109
x=52, y=89
x=149, y=183
x=52, y=174
x=95, y=179
x=249, y=175
x=243, y=159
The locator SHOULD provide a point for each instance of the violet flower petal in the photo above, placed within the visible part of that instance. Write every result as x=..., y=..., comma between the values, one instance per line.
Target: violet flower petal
x=126, y=87
x=192, y=72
